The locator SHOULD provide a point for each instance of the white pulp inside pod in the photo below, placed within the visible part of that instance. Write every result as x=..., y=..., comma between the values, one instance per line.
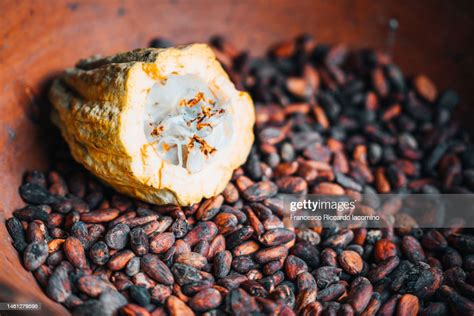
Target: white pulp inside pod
x=186, y=122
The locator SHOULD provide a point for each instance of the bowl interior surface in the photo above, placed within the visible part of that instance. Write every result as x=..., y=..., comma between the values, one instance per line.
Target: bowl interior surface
x=38, y=39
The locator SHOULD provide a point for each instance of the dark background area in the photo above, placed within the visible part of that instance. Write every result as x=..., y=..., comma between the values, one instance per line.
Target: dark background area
x=40, y=38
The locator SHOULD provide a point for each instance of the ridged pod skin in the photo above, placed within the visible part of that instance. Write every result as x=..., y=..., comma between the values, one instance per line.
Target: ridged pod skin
x=99, y=107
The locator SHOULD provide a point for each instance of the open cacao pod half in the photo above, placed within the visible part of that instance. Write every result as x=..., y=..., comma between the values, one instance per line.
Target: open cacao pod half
x=162, y=125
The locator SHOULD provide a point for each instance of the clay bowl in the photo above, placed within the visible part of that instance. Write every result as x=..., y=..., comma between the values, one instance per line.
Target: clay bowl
x=40, y=38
